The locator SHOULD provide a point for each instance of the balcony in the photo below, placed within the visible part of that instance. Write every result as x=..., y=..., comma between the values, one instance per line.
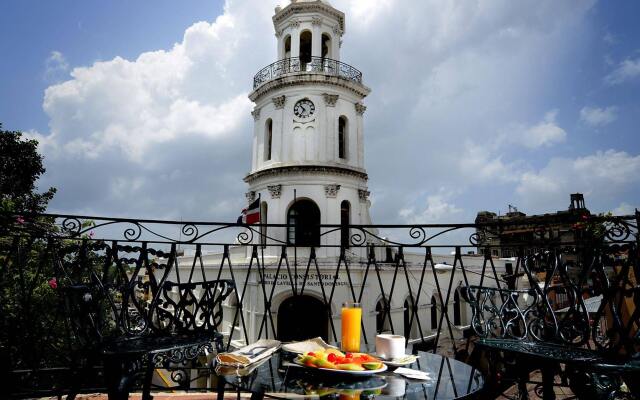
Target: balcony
x=409, y=279
x=317, y=65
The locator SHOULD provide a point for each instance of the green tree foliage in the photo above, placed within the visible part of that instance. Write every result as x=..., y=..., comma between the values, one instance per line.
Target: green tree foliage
x=20, y=168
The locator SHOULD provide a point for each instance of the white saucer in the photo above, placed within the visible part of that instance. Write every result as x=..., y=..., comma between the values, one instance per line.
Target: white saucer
x=399, y=361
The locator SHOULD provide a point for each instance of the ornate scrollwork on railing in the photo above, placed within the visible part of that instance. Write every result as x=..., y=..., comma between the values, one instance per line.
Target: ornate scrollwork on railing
x=314, y=64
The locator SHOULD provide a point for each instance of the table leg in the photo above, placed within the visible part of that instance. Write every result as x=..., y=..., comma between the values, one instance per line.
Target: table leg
x=220, y=388
x=548, y=375
x=148, y=376
x=258, y=395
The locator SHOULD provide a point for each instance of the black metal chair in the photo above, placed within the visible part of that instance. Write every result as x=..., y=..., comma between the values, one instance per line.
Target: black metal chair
x=549, y=324
x=175, y=327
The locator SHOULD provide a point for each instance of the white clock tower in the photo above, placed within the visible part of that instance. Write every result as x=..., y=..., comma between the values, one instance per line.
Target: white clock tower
x=308, y=140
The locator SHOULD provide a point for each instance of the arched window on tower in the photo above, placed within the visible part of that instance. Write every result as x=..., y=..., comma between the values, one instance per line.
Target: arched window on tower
x=345, y=220
x=268, y=139
x=383, y=318
x=343, y=136
x=305, y=49
x=457, y=317
x=263, y=220
x=303, y=219
x=326, y=46
x=434, y=313
x=287, y=46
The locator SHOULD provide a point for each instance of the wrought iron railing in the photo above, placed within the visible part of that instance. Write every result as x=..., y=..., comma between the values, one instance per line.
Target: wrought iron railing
x=406, y=276
x=320, y=65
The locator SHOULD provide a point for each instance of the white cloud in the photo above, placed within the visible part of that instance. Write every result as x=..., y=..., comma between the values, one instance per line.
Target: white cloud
x=624, y=209
x=625, y=71
x=595, y=116
x=544, y=133
x=438, y=207
x=609, y=173
x=56, y=66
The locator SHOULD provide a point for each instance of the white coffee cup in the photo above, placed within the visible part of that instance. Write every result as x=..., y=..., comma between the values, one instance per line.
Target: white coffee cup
x=389, y=346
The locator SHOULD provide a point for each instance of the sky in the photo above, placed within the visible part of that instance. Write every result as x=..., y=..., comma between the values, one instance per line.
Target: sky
x=141, y=107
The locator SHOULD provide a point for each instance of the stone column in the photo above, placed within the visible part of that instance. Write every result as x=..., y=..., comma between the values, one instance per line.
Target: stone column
x=336, y=42
x=256, y=138
x=295, y=39
x=280, y=40
x=360, y=109
x=277, y=140
x=316, y=39
x=330, y=151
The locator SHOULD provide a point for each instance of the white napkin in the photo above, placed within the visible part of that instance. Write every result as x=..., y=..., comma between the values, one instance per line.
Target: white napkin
x=306, y=346
x=414, y=374
x=249, y=354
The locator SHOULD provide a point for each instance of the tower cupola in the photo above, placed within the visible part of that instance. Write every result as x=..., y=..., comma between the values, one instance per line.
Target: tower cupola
x=308, y=141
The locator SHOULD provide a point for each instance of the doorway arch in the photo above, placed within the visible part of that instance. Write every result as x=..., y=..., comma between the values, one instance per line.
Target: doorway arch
x=301, y=317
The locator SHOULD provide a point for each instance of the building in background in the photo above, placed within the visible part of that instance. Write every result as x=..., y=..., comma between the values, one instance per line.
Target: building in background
x=504, y=235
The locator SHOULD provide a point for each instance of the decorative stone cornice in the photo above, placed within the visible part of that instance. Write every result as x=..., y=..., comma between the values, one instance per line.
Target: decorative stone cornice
x=315, y=7
x=363, y=194
x=279, y=102
x=331, y=191
x=305, y=169
x=337, y=30
x=256, y=114
x=330, y=99
x=316, y=21
x=307, y=80
x=251, y=196
x=295, y=24
x=275, y=191
x=279, y=33
x=360, y=108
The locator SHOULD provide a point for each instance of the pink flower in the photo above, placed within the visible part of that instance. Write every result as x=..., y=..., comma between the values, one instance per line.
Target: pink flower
x=20, y=220
x=91, y=233
x=53, y=283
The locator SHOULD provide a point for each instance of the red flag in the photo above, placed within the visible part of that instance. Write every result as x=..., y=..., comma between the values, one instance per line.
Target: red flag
x=251, y=214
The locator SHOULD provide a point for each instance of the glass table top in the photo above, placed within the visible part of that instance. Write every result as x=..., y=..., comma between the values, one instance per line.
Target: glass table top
x=278, y=377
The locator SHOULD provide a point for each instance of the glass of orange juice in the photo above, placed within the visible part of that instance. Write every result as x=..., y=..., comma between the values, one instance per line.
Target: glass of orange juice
x=351, y=320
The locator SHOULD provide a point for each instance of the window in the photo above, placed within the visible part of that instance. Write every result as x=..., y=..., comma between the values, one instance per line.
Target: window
x=383, y=316
x=303, y=219
x=305, y=47
x=268, y=139
x=263, y=220
x=345, y=220
x=326, y=46
x=342, y=137
x=434, y=313
x=457, y=319
x=287, y=46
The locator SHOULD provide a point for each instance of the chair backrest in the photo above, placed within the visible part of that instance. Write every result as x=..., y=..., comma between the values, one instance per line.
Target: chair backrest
x=190, y=306
x=616, y=324
x=551, y=308
x=592, y=302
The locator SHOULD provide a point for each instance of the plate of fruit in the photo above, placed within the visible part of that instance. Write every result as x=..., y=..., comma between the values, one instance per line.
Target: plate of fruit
x=336, y=361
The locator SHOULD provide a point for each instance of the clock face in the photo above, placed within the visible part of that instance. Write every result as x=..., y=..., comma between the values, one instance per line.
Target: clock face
x=304, y=108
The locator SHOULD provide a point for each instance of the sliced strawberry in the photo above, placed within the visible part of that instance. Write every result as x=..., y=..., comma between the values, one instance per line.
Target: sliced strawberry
x=332, y=358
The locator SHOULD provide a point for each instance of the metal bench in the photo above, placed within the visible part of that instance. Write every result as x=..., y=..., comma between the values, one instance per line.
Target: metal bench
x=548, y=324
x=132, y=327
